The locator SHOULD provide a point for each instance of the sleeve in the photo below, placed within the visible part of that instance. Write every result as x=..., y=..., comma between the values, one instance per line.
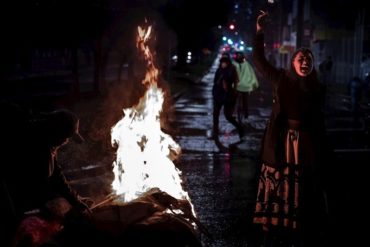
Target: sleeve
x=268, y=71
x=235, y=76
x=59, y=183
x=252, y=76
x=217, y=76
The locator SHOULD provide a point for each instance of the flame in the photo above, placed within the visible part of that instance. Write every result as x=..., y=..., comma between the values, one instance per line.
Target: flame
x=145, y=153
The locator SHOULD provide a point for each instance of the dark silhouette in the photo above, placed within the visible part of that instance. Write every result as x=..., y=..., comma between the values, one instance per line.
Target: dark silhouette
x=325, y=68
x=32, y=180
x=355, y=90
x=367, y=85
x=224, y=95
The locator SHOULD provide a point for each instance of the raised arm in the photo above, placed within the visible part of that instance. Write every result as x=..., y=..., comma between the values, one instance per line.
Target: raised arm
x=259, y=60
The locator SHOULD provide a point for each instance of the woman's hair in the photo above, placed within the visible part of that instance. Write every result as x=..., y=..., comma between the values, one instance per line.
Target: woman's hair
x=225, y=54
x=239, y=57
x=225, y=60
x=310, y=82
x=306, y=51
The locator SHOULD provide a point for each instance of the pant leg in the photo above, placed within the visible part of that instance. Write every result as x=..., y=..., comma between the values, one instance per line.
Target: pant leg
x=216, y=114
x=240, y=107
x=245, y=97
x=228, y=111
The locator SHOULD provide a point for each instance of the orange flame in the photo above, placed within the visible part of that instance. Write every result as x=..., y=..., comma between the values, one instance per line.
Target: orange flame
x=151, y=76
x=145, y=153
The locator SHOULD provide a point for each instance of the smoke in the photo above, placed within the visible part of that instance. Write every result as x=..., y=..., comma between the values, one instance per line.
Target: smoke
x=90, y=163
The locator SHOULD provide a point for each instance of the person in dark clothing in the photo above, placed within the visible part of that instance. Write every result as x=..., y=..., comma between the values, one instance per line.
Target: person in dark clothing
x=290, y=198
x=325, y=68
x=224, y=94
x=355, y=86
x=32, y=178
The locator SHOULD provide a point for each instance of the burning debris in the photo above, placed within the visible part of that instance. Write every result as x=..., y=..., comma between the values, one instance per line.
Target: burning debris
x=149, y=206
x=144, y=152
x=148, y=198
x=154, y=218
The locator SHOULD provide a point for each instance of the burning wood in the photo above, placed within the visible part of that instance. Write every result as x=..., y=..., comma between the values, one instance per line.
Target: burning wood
x=154, y=212
x=110, y=198
x=147, y=188
x=145, y=153
x=148, y=205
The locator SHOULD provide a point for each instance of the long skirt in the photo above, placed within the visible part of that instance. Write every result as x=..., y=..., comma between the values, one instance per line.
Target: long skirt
x=278, y=189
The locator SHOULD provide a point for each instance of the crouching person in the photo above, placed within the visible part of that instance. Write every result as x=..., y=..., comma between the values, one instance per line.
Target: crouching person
x=37, y=189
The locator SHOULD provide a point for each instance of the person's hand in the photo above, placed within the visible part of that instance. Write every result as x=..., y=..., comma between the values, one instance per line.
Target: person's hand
x=85, y=212
x=255, y=87
x=87, y=201
x=84, y=205
x=261, y=20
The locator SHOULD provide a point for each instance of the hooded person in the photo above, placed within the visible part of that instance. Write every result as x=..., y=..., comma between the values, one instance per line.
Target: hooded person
x=224, y=95
x=246, y=85
x=33, y=177
x=61, y=124
x=290, y=197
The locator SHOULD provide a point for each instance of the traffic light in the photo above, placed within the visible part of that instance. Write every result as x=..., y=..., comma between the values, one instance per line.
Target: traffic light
x=231, y=26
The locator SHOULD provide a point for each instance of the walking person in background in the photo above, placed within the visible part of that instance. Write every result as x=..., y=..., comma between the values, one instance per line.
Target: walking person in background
x=325, y=70
x=290, y=204
x=355, y=86
x=224, y=95
x=247, y=84
x=367, y=85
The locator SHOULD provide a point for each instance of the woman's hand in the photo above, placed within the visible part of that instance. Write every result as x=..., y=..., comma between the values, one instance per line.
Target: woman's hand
x=261, y=20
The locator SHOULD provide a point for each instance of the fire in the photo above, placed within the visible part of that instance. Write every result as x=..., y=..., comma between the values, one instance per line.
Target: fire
x=145, y=153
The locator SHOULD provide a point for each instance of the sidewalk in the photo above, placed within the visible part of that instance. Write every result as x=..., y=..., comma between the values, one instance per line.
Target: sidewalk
x=346, y=180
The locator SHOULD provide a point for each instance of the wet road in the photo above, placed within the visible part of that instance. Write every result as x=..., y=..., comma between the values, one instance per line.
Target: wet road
x=221, y=180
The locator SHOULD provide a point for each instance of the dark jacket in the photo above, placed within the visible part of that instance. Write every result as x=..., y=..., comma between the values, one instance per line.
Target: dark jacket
x=284, y=84
x=31, y=173
x=224, y=84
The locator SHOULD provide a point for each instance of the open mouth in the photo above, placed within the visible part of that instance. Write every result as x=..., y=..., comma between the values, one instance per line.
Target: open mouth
x=304, y=69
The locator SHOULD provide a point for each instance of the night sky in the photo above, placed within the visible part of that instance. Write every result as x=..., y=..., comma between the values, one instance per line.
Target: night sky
x=67, y=22
x=27, y=25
